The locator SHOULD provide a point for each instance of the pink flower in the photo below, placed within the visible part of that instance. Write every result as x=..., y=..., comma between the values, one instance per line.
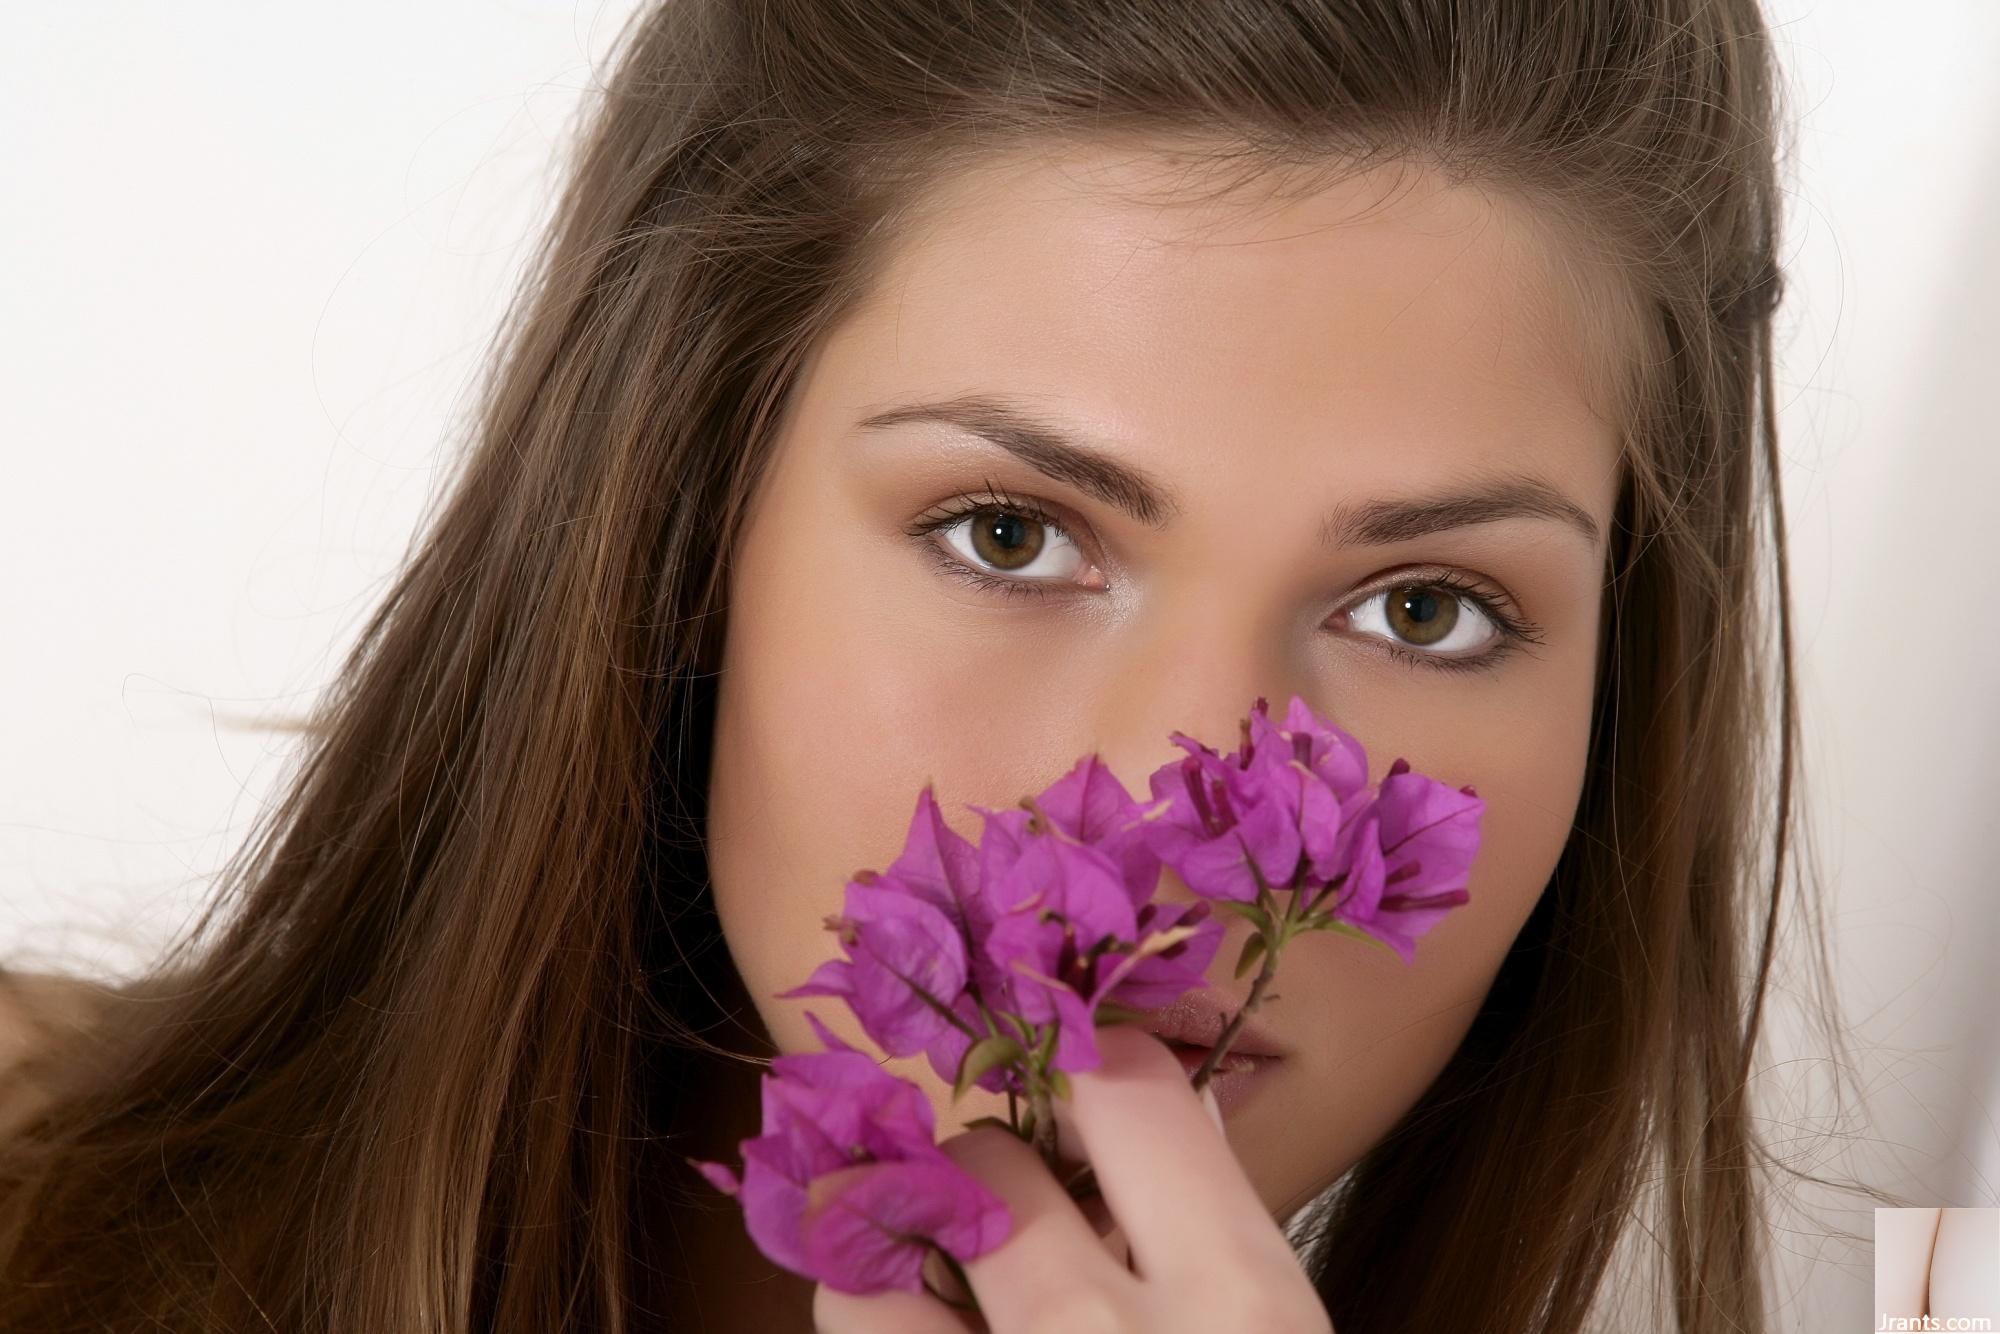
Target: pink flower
x=906, y=963
x=1158, y=979
x=1318, y=775
x=846, y=1186
x=1285, y=802
x=1413, y=854
x=1066, y=906
x=997, y=961
x=1219, y=823
x=1077, y=923
x=1089, y=804
x=910, y=934
x=1050, y=916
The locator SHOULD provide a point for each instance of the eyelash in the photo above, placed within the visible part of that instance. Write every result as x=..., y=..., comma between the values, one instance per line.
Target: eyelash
x=1515, y=630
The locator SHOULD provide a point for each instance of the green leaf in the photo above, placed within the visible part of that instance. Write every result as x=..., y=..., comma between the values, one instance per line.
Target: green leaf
x=1250, y=912
x=1349, y=929
x=1253, y=950
x=1111, y=1012
x=983, y=1056
x=1059, y=1083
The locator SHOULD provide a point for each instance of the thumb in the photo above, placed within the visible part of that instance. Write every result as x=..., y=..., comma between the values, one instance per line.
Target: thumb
x=1214, y=1108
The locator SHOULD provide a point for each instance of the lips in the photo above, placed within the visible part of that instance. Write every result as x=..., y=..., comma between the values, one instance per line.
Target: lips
x=1191, y=1058
x=1236, y=1076
x=1197, y=1019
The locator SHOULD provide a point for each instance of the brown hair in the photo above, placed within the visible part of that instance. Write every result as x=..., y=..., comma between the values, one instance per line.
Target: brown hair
x=414, y=1068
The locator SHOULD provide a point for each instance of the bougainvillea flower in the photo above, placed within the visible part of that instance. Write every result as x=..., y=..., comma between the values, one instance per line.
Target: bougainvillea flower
x=998, y=961
x=846, y=1186
x=1143, y=975
x=1064, y=905
x=1212, y=818
x=1412, y=858
x=1089, y=805
x=928, y=939
x=1291, y=790
x=905, y=960
x=1157, y=979
x=942, y=868
x=1327, y=791
x=868, y=1229
x=947, y=1050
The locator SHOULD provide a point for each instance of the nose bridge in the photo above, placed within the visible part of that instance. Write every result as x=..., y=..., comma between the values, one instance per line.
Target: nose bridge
x=1203, y=688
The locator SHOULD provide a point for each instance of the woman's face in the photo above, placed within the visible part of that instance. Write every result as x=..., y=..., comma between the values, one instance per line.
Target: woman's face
x=1236, y=387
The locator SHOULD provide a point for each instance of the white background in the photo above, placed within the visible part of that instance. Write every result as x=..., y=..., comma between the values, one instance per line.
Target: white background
x=252, y=256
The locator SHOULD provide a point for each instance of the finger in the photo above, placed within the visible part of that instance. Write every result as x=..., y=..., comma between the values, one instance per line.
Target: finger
x=1052, y=1257
x=1098, y=1214
x=837, y=1312
x=1156, y=1149
x=1080, y=1183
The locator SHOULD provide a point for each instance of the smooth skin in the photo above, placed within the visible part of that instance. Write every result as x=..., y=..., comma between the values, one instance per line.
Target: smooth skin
x=1904, y=1239
x=1260, y=362
x=1937, y=1261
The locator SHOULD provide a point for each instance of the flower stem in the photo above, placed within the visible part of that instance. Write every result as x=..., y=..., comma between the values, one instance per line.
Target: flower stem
x=1330, y=890
x=1268, y=971
x=1041, y=1104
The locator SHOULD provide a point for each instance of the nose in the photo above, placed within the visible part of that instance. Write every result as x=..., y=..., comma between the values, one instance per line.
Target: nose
x=1201, y=679
x=1208, y=695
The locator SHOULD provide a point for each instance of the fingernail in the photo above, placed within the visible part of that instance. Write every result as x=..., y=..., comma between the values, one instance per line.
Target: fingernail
x=1214, y=1107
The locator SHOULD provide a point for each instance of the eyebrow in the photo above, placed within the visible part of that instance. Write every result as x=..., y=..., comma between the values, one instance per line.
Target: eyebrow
x=1059, y=454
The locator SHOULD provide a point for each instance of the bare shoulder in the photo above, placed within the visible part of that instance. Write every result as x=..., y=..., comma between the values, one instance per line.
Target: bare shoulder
x=41, y=1014
x=36, y=1008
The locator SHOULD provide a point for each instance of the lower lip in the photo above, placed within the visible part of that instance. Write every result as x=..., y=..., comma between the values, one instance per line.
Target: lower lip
x=1236, y=1078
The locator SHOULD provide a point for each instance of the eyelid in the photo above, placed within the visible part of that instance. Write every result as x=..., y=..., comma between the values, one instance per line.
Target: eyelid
x=1514, y=631
x=955, y=510
x=1497, y=607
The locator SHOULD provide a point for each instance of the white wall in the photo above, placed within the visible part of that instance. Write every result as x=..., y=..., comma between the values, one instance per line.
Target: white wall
x=253, y=255
x=1894, y=496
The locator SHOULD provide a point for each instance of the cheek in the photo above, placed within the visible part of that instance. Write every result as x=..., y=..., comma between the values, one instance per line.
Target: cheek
x=1373, y=1032
x=836, y=704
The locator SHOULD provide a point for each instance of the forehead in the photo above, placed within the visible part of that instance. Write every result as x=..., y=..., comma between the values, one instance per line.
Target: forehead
x=1388, y=316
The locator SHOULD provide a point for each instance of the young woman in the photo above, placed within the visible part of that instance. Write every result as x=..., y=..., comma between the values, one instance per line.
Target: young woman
x=941, y=392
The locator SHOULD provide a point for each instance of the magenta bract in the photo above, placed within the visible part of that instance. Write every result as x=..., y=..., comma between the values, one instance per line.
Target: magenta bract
x=846, y=1186
x=1412, y=858
x=1028, y=935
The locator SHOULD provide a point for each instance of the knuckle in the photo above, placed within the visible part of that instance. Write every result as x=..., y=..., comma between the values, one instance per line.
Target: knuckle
x=986, y=1149
x=1260, y=1308
x=1081, y=1311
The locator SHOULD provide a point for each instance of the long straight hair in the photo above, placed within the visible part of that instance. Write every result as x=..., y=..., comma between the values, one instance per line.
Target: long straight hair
x=415, y=1066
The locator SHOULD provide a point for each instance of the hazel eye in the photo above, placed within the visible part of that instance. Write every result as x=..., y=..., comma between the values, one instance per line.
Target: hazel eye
x=1435, y=617
x=1006, y=542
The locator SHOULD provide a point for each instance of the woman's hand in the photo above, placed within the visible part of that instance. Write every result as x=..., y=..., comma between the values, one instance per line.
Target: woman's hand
x=1204, y=1253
